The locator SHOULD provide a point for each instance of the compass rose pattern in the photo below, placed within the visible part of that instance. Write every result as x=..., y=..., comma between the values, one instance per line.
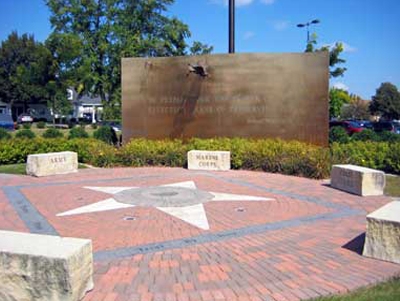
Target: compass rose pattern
x=182, y=200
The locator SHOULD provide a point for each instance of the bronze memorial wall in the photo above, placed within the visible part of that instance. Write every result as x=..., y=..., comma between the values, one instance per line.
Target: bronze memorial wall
x=227, y=95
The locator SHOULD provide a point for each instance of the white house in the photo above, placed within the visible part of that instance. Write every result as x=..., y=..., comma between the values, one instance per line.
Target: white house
x=85, y=105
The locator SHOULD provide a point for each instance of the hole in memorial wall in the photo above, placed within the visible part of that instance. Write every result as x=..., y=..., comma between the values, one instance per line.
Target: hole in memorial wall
x=240, y=209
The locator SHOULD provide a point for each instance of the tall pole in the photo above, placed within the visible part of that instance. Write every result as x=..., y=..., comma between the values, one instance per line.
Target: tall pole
x=231, y=26
x=307, y=26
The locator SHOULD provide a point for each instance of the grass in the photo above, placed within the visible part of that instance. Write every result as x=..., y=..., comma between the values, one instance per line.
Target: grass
x=39, y=132
x=20, y=169
x=16, y=169
x=388, y=291
x=392, y=186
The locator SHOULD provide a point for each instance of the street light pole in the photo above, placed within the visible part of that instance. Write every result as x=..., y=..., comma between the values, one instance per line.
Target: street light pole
x=307, y=25
x=231, y=26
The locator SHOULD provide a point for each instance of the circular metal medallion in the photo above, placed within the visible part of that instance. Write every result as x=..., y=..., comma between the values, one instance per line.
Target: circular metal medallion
x=163, y=196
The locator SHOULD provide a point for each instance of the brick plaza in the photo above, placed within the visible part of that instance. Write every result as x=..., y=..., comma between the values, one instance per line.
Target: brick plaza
x=303, y=242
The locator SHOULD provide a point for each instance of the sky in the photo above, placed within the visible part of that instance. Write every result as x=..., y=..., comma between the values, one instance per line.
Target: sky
x=369, y=30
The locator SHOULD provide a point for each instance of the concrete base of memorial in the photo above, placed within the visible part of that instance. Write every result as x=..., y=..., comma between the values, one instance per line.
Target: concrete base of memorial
x=44, y=268
x=40, y=165
x=382, y=240
x=358, y=180
x=209, y=160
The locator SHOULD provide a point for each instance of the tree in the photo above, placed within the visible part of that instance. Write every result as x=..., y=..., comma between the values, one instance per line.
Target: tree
x=356, y=109
x=65, y=50
x=107, y=30
x=337, y=98
x=386, y=102
x=199, y=48
x=334, y=55
x=30, y=74
x=24, y=70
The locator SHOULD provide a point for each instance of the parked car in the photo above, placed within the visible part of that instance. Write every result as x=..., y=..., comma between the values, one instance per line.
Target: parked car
x=25, y=118
x=116, y=126
x=351, y=127
x=389, y=126
x=87, y=117
x=40, y=112
x=6, y=122
x=365, y=124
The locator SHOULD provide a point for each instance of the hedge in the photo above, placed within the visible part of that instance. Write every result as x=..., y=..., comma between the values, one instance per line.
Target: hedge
x=52, y=133
x=78, y=132
x=106, y=134
x=142, y=152
x=4, y=135
x=277, y=156
x=89, y=151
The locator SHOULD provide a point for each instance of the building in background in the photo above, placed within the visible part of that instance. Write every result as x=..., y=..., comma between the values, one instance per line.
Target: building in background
x=5, y=108
x=85, y=107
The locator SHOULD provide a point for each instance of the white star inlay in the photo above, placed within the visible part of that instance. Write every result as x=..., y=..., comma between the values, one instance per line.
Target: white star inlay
x=193, y=212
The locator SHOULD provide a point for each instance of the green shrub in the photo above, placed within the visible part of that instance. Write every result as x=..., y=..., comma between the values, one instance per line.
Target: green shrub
x=52, y=133
x=41, y=125
x=338, y=134
x=89, y=151
x=292, y=158
x=142, y=152
x=78, y=132
x=26, y=126
x=93, y=151
x=386, y=136
x=25, y=133
x=365, y=135
x=4, y=134
x=71, y=123
x=106, y=134
x=393, y=158
x=369, y=154
x=16, y=126
x=93, y=125
x=16, y=151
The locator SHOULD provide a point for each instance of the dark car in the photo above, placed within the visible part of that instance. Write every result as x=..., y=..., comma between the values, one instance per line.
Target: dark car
x=365, y=124
x=388, y=126
x=6, y=122
x=87, y=117
x=351, y=127
x=115, y=125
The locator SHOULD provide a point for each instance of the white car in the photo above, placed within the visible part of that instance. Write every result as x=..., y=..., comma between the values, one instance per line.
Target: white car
x=25, y=118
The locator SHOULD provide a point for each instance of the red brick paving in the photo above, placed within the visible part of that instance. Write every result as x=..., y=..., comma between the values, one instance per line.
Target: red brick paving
x=9, y=219
x=294, y=263
x=153, y=225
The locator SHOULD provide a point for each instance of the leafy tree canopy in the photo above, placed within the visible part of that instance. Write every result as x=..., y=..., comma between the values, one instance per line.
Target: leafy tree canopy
x=334, y=55
x=337, y=98
x=386, y=102
x=356, y=109
x=30, y=73
x=24, y=69
x=101, y=32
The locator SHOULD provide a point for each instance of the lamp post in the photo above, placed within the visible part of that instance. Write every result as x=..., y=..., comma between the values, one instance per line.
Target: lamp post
x=231, y=26
x=307, y=25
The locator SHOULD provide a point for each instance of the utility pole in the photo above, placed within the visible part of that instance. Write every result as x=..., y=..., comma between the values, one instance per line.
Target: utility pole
x=231, y=26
